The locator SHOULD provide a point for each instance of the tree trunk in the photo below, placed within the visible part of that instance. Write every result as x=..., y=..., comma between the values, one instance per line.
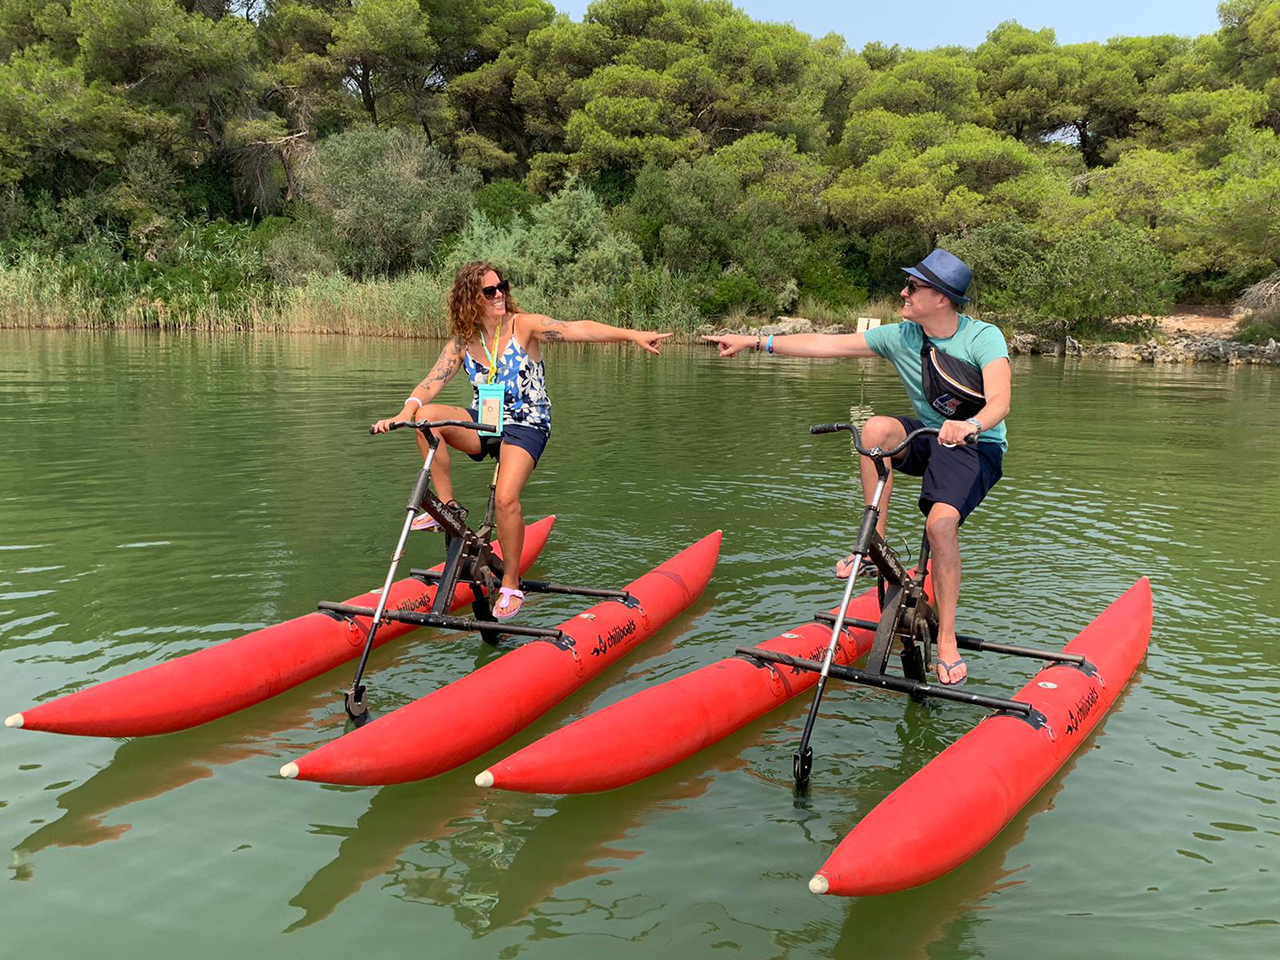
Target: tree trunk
x=366, y=93
x=289, y=181
x=1088, y=146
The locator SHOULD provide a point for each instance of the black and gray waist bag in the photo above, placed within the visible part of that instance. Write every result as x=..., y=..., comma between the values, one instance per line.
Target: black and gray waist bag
x=953, y=387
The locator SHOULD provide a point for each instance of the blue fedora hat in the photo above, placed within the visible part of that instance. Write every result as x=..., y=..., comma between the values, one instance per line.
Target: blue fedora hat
x=944, y=272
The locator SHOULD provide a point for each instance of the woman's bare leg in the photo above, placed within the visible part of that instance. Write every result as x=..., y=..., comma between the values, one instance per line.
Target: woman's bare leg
x=516, y=467
x=468, y=441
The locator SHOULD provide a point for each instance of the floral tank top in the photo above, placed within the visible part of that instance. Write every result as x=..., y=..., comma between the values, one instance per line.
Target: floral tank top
x=524, y=383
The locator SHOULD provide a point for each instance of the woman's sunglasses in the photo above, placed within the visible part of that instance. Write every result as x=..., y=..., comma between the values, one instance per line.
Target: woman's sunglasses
x=493, y=290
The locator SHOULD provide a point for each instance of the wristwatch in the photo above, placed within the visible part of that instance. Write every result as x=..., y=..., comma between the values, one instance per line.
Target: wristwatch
x=976, y=422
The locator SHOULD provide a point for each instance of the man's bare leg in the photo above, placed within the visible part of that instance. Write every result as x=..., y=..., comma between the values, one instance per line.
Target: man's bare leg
x=883, y=432
x=943, y=527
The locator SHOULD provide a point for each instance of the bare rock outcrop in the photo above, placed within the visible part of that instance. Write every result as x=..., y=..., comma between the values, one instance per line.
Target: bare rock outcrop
x=1180, y=348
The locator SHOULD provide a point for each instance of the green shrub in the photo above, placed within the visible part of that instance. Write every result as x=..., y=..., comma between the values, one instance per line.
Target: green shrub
x=300, y=251
x=1003, y=257
x=1075, y=287
x=658, y=299
x=39, y=223
x=95, y=276
x=570, y=243
x=698, y=221
x=1260, y=327
x=502, y=200
x=880, y=259
x=1088, y=279
x=207, y=190
x=214, y=264
x=733, y=290
x=388, y=197
x=824, y=274
x=613, y=186
x=566, y=260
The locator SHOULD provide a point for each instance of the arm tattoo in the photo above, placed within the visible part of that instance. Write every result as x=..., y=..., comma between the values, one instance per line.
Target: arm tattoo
x=553, y=330
x=446, y=366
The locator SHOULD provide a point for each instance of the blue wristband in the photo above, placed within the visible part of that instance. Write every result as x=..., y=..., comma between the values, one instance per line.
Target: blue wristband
x=768, y=345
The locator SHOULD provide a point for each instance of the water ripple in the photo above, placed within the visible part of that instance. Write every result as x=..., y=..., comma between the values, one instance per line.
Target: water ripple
x=233, y=485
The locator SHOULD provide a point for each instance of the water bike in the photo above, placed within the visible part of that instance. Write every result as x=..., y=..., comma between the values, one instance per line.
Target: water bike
x=470, y=560
x=466, y=718
x=218, y=680
x=948, y=810
x=906, y=618
x=211, y=683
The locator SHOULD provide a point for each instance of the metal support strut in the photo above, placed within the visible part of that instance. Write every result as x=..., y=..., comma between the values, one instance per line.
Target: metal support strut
x=915, y=688
x=469, y=559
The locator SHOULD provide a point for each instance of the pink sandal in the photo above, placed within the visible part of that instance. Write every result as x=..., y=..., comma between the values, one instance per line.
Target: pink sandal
x=505, y=596
x=425, y=521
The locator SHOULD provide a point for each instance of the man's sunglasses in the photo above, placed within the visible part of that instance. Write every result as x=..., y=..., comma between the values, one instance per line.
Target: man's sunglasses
x=493, y=290
x=914, y=285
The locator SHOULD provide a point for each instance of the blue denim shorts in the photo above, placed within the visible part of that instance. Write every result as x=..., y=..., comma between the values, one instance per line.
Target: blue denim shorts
x=529, y=439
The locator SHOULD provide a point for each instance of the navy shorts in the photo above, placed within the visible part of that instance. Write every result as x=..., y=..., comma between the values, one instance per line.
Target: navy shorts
x=529, y=439
x=959, y=476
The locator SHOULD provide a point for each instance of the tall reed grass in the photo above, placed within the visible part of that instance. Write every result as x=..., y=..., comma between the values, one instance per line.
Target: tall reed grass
x=44, y=292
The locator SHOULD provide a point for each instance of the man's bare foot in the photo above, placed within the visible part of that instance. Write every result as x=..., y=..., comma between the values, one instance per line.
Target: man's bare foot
x=952, y=673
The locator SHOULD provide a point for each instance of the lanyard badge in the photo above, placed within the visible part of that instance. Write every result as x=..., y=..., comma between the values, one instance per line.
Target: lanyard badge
x=491, y=396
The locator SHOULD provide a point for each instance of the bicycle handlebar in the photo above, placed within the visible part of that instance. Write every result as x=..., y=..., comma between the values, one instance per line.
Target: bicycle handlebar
x=876, y=452
x=428, y=424
x=829, y=427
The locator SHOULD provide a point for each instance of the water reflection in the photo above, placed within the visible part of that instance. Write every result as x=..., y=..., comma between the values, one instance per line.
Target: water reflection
x=944, y=913
x=398, y=817
x=942, y=916
x=149, y=767
x=508, y=867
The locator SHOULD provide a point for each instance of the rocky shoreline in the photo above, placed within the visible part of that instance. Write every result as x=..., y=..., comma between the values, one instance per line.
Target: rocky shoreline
x=1180, y=348
x=1175, y=348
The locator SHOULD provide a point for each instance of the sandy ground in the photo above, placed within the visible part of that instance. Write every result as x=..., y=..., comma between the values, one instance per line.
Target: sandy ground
x=1201, y=321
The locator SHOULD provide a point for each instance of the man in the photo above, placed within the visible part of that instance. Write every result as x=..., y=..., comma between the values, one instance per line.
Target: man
x=956, y=373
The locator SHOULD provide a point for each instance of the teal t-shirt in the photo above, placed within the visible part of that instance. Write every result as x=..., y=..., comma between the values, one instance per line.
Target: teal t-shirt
x=975, y=342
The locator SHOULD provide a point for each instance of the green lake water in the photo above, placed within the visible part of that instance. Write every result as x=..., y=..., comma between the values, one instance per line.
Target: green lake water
x=159, y=494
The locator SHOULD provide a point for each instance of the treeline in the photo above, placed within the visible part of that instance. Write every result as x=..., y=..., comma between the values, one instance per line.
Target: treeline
x=231, y=161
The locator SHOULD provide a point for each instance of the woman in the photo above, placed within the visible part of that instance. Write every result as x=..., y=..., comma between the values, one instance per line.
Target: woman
x=497, y=344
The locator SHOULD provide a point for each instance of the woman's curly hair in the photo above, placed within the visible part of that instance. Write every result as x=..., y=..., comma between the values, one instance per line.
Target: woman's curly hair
x=464, y=301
